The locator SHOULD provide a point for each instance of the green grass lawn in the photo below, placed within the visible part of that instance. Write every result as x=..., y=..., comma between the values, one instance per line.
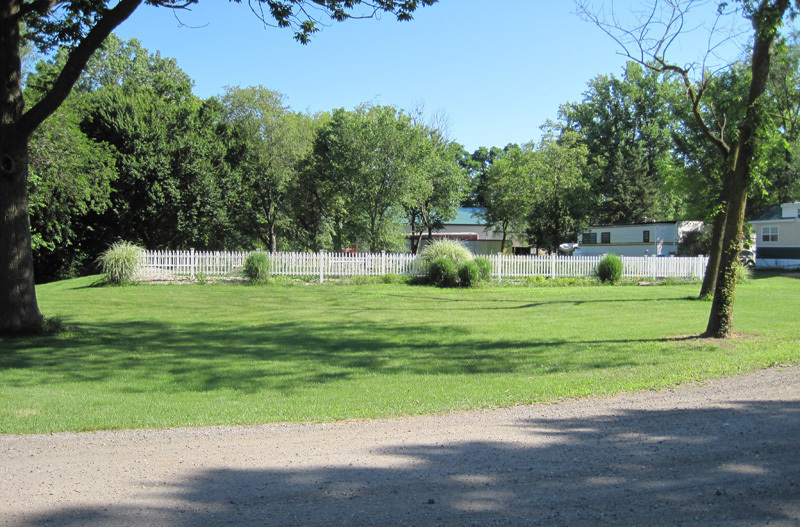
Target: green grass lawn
x=156, y=356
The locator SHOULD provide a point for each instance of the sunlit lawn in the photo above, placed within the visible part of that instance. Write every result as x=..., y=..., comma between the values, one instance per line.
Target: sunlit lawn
x=155, y=356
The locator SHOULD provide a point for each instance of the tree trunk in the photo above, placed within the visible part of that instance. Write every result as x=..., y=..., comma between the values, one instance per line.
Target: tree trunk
x=19, y=310
x=766, y=20
x=720, y=320
x=712, y=267
x=273, y=238
x=417, y=244
x=718, y=230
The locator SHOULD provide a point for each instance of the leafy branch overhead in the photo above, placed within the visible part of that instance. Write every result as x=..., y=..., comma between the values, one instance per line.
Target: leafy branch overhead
x=53, y=23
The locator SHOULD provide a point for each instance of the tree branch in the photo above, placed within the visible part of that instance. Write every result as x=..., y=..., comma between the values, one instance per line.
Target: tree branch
x=651, y=52
x=75, y=64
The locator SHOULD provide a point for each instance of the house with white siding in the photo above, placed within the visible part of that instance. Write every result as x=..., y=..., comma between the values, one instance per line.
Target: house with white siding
x=777, y=232
x=659, y=238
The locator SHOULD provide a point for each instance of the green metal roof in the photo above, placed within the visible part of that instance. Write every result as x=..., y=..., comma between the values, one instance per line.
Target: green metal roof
x=468, y=216
x=772, y=213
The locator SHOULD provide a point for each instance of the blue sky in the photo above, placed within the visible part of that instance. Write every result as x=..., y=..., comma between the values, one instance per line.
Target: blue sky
x=497, y=69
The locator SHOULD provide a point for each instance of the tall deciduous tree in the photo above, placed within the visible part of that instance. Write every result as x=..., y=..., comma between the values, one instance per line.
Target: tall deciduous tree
x=83, y=26
x=268, y=143
x=626, y=124
x=559, y=195
x=507, y=192
x=378, y=155
x=740, y=148
x=442, y=186
x=782, y=183
x=70, y=177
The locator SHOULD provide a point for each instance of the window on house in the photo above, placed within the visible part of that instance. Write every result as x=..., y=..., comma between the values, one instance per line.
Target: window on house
x=605, y=237
x=769, y=234
x=646, y=237
x=589, y=237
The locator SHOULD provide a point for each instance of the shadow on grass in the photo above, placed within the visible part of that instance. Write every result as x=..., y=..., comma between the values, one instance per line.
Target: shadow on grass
x=290, y=355
x=487, y=303
x=731, y=466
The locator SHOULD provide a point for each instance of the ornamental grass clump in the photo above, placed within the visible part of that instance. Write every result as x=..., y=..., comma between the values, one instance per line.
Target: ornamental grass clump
x=256, y=267
x=609, y=269
x=121, y=262
x=443, y=259
x=450, y=249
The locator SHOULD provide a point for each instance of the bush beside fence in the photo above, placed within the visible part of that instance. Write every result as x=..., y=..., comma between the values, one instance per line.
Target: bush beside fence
x=336, y=265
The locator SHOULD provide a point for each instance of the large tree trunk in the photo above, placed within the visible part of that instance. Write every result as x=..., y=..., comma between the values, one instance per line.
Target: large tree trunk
x=718, y=228
x=19, y=310
x=766, y=20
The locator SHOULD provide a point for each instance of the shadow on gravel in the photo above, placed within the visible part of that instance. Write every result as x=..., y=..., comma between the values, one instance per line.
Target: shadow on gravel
x=723, y=467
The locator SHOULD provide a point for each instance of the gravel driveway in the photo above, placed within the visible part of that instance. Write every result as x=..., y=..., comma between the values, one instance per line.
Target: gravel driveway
x=723, y=454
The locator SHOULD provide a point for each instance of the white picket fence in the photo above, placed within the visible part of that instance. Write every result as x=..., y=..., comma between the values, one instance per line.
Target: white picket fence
x=334, y=265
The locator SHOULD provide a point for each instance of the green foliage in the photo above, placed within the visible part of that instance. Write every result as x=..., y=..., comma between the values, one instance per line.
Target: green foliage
x=469, y=275
x=256, y=267
x=370, y=166
x=121, y=262
x=559, y=201
x=443, y=272
x=507, y=191
x=484, y=269
x=440, y=190
x=695, y=243
x=627, y=126
x=609, y=269
x=268, y=142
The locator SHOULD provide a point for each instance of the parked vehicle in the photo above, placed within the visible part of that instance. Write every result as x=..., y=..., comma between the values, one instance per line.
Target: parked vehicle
x=747, y=258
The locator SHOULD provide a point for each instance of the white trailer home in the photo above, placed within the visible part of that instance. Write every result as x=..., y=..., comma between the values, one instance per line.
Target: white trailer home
x=639, y=239
x=777, y=232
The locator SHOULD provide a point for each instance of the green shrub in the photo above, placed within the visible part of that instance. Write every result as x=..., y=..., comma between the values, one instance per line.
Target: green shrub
x=484, y=269
x=256, y=267
x=609, y=269
x=469, y=275
x=443, y=272
x=121, y=261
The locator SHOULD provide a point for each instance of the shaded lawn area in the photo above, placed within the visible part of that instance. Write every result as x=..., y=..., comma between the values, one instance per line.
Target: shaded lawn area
x=156, y=356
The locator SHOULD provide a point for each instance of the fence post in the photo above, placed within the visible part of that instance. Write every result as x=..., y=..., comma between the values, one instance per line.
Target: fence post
x=191, y=263
x=383, y=263
x=653, y=266
x=553, y=265
x=321, y=268
x=499, y=260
